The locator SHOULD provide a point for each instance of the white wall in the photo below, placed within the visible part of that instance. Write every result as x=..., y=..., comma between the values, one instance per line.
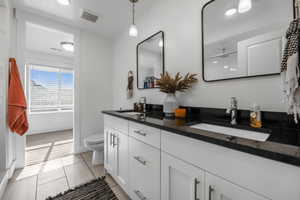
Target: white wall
x=7, y=139
x=50, y=122
x=95, y=82
x=181, y=22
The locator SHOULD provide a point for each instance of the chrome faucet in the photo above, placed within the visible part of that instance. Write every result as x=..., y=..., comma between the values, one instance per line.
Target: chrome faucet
x=143, y=102
x=232, y=110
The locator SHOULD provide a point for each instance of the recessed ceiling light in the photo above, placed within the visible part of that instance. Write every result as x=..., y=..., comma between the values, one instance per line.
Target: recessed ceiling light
x=215, y=61
x=226, y=67
x=64, y=2
x=233, y=69
x=245, y=5
x=230, y=12
x=67, y=46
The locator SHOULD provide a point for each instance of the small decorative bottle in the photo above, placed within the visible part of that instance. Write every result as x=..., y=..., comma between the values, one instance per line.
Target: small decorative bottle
x=255, y=117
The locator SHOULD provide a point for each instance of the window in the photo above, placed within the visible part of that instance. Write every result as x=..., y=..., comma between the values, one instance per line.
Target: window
x=50, y=89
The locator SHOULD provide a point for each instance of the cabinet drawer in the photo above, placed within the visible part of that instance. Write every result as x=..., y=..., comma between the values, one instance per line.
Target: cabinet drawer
x=146, y=134
x=144, y=165
x=219, y=189
x=116, y=123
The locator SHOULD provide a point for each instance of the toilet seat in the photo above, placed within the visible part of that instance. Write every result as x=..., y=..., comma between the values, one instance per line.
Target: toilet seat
x=94, y=139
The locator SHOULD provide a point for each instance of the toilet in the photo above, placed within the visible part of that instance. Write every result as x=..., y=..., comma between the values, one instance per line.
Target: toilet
x=96, y=144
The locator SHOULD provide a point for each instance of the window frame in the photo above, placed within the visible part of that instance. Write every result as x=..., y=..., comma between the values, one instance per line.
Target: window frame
x=48, y=109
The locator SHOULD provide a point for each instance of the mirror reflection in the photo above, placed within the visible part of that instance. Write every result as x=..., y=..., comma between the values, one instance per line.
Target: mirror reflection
x=150, y=61
x=243, y=38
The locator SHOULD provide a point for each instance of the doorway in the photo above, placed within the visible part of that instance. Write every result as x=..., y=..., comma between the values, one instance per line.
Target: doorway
x=49, y=83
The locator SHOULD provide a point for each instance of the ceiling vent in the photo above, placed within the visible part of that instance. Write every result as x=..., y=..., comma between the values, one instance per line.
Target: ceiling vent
x=89, y=16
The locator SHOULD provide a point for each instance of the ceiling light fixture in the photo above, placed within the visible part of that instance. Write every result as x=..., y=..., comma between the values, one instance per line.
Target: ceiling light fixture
x=64, y=2
x=226, y=67
x=245, y=5
x=133, y=32
x=230, y=12
x=67, y=46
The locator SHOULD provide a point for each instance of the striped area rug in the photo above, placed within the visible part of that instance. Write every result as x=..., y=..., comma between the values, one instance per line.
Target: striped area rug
x=97, y=189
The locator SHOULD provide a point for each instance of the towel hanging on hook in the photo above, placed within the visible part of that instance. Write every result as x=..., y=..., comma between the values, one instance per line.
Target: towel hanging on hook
x=290, y=67
x=17, y=114
x=297, y=9
x=130, y=85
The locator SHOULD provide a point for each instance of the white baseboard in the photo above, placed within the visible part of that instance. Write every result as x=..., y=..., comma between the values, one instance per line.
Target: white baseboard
x=49, y=130
x=7, y=175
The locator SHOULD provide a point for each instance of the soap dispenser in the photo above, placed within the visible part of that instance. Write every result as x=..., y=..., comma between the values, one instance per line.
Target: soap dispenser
x=255, y=116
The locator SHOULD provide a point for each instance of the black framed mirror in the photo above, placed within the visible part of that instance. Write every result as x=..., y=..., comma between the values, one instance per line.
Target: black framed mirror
x=150, y=55
x=243, y=38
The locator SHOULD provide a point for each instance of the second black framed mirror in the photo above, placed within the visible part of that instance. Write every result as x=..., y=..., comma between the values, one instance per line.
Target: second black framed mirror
x=243, y=38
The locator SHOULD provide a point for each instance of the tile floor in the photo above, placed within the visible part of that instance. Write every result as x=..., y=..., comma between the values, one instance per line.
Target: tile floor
x=51, y=168
x=38, y=181
x=48, y=146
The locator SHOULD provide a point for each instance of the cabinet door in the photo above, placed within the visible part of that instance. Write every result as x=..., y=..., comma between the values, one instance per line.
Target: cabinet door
x=220, y=189
x=109, y=152
x=121, y=174
x=144, y=171
x=180, y=180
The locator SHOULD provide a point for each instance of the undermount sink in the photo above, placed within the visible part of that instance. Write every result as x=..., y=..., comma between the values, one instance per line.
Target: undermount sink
x=131, y=113
x=251, y=135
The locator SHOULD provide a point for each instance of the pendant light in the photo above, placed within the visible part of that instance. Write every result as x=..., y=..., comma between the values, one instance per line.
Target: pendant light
x=133, y=32
x=245, y=5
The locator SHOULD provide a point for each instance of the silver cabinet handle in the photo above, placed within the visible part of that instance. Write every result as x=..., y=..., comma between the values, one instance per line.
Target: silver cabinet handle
x=140, y=195
x=140, y=133
x=111, y=139
x=210, y=191
x=143, y=162
x=196, y=183
x=115, y=140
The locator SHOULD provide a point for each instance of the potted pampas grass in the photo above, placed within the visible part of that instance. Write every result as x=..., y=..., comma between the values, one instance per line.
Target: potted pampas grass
x=170, y=86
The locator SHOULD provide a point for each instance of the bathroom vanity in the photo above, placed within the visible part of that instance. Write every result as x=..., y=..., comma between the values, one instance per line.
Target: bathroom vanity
x=161, y=159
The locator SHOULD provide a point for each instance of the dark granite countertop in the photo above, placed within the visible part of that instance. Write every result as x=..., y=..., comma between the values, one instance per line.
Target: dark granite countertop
x=271, y=149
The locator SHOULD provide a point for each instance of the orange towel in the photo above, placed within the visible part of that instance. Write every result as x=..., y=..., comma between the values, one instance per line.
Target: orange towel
x=17, y=116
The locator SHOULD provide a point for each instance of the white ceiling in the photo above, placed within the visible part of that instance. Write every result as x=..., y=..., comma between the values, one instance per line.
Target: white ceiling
x=114, y=15
x=42, y=39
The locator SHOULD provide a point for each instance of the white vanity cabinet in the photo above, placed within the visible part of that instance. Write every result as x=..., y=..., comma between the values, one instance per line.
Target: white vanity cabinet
x=121, y=170
x=116, y=153
x=109, y=150
x=153, y=164
x=144, y=162
x=180, y=180
x=144, y=165
x=219, y=189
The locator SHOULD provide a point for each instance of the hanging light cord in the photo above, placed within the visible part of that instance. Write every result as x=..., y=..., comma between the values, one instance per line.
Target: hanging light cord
x=133, y=13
